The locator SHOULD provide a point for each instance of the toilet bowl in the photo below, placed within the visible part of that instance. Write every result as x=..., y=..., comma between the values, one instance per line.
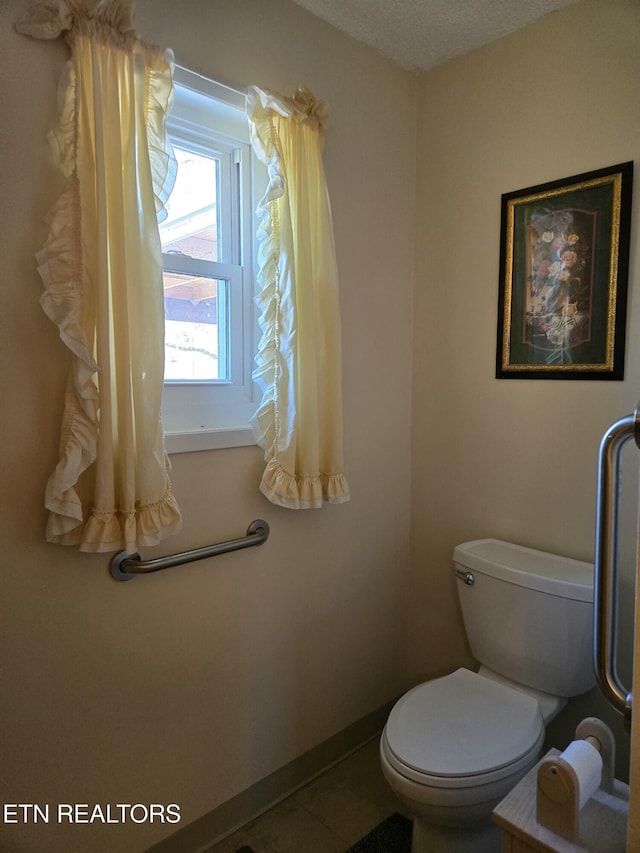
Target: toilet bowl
x=453, y=747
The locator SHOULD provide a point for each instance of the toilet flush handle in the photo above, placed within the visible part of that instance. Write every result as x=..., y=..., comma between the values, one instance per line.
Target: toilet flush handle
x=467, y=577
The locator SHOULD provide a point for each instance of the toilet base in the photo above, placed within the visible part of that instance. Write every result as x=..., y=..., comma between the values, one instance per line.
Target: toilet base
x=484, y=837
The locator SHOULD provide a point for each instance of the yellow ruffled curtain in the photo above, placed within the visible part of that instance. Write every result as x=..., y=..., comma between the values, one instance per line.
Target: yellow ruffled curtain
x=102, y=271
x=299, y=362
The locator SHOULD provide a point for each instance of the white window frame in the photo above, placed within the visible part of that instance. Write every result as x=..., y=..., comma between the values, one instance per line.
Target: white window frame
x=209, y=117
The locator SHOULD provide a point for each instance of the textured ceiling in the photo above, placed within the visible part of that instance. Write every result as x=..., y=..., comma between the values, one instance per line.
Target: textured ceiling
x=420, y=34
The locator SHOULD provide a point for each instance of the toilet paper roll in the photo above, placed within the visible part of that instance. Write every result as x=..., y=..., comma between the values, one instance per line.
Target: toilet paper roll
x=586, y=762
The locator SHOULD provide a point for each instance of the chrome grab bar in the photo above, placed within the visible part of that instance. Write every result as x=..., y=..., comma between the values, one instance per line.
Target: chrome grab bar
x=606, y=562
x=125, y=566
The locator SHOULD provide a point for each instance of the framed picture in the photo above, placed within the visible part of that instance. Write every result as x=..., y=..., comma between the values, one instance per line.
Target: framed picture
x=564, y=257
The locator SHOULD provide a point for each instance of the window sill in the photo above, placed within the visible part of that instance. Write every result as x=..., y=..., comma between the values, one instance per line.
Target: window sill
x=208, y=439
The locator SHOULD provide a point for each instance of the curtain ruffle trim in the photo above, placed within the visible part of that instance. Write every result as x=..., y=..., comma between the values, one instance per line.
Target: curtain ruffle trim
x=159, y=98
x=303, y=106
x=106, y=20
x=307, y=491
x=269, y=361
x=60, y=268
x=113, y=530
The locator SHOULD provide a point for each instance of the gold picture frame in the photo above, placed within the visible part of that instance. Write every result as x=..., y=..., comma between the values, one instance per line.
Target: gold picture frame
x=564, y=259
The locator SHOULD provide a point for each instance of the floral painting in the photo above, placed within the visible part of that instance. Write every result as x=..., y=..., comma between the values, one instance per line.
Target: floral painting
x=559, y=281
x=563, y=277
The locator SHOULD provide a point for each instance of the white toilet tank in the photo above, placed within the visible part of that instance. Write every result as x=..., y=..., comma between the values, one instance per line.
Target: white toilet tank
x=528, y=614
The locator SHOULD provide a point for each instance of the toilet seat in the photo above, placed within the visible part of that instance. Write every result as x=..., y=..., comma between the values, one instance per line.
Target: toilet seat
x=462, y=730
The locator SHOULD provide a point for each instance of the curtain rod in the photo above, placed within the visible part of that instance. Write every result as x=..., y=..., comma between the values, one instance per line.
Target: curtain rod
x=238, y=90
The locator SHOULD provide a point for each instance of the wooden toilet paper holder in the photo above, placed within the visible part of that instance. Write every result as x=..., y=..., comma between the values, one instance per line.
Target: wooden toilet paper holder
x=558, y=789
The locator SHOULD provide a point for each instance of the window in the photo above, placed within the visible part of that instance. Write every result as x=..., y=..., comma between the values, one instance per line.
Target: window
x=207, y=249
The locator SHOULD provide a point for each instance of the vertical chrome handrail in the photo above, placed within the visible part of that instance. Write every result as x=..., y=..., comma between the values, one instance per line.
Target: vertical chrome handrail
x=606, y=562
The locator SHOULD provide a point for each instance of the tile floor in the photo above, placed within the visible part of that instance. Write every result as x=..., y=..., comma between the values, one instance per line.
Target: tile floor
x=328, y=815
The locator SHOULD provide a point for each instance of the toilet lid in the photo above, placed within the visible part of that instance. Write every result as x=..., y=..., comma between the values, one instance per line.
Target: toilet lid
x=462, y=725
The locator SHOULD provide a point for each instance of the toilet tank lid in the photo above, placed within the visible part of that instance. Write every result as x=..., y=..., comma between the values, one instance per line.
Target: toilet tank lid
x=548, y=573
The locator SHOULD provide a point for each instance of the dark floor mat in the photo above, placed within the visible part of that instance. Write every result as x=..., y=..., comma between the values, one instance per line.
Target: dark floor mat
x=393, y=835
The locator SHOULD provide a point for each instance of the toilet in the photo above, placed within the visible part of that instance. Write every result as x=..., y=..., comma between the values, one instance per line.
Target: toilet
x=453, y=747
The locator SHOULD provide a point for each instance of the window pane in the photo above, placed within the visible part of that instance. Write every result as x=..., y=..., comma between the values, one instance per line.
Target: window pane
x=196, y=338
x=191, y=226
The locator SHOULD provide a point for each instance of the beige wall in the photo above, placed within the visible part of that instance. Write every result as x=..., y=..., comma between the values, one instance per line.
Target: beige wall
x=511, y=459
x=190, y=685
